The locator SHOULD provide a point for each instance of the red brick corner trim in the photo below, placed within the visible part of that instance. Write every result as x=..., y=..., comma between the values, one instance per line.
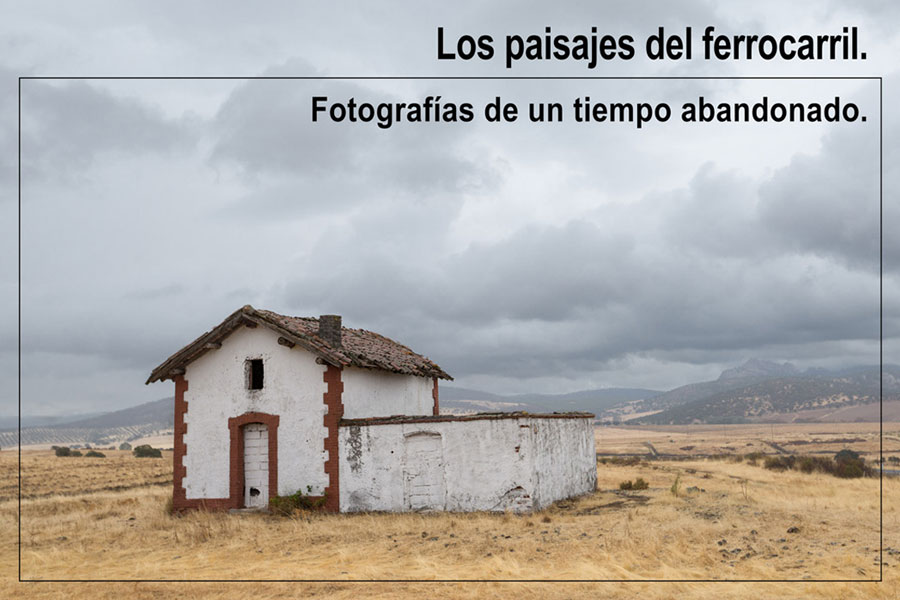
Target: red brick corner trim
x=434, y=394
x=236, y=467
x=235, y=499
x=335, y=411
x=179, y=501
x=178, y=470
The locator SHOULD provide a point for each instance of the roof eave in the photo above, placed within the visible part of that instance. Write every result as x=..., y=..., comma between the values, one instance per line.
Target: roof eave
x=169, y=368
x=245, y=314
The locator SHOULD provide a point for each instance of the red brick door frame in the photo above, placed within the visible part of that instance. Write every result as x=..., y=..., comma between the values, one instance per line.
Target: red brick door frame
x=236, y=465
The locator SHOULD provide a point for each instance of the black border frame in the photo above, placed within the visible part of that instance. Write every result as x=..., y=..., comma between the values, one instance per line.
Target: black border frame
x=880, y=81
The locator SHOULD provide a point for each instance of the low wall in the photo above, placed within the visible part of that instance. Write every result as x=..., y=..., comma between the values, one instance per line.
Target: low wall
x=497, y=462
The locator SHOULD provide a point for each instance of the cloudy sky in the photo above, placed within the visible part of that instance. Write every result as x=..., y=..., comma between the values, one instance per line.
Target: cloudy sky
x=520, y=257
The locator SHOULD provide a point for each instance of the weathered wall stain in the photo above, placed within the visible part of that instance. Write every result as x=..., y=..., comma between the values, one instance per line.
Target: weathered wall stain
x=354, y=448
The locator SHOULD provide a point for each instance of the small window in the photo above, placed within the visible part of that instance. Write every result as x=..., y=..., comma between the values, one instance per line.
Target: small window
x=255, y=374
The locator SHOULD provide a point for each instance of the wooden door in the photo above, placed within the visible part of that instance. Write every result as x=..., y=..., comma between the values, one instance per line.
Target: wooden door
x=256, y=465
x=423, y=472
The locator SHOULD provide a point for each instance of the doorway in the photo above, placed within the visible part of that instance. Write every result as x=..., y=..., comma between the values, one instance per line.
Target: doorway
x=423, y=472
x=256, y=465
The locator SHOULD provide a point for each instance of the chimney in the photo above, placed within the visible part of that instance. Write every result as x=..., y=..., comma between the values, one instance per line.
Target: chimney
x=330, y=329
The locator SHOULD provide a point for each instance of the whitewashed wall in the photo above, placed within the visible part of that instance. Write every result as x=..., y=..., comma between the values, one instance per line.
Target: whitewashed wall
x=518, y=464
x=369, y=393
x=293, y=390
x=564, y=458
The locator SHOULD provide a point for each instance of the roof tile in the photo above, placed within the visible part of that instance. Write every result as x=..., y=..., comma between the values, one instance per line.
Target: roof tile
x=359, y=347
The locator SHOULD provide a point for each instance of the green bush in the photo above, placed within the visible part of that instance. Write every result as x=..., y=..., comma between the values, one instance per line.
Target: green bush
x=124, y=446
x=147, y=451
x=753, y=457
x=95, y=454
x=850, y=465
x=286, y=505
x=625, y=461
x=676, y=486
x=638, y=484
x=76, y=453
x=850, y=470
x=779, y=463
x=846, y=455
x=846, y=463
x=62, y=450
x=806, y=464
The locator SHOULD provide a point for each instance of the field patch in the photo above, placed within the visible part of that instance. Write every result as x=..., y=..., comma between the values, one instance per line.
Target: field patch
x=697, y=519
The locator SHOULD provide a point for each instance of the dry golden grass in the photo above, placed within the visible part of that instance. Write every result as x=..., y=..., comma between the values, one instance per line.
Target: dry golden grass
x=126, y=534
x=802, y=438
x=44, y=474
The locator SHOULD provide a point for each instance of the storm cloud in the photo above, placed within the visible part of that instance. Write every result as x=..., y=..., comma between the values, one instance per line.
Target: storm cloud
x=520, y=257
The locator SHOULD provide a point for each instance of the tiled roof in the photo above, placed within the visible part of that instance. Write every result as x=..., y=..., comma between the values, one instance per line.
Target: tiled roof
x=359, y=348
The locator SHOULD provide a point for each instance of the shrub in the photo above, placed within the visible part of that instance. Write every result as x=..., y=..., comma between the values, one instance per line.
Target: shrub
x=147, y=451
x=846, y=455
x=124, y=446
x=62, y=450
x=286, y=505
x=638, y=484
x=849, y=465
x=850, y=470
x=846, y=464
x=676, y=485
x=95, y=454
x=823, y=464
x=753, y=457
x=779, y=463
x=810, y=464
x=75, y=453
x=626, y=461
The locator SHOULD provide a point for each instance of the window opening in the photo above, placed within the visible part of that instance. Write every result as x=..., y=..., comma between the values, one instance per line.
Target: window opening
x=255, y=374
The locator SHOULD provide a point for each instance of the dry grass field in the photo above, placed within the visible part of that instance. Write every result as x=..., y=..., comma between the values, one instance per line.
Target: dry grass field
x=800, y=438
x=105, y=519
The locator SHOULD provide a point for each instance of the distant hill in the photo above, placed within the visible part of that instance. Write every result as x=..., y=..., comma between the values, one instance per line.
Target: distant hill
x=596, y=401
x=8, y=423
x=752, y=371
x=811, y=396
x=161, y=412
x=756, y=391
x=110, y=428
x=756, y=368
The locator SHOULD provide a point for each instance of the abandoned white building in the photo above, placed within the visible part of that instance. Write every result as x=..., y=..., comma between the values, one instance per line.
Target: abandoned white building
x=267, y=405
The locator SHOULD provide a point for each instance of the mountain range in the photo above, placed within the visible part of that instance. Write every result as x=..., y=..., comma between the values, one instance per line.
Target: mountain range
x=756, y=391
x=147, y=419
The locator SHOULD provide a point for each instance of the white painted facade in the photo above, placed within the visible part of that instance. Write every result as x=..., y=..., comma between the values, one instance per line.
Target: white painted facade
x=217, y=390
x=493, y=464
x=369, y=393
